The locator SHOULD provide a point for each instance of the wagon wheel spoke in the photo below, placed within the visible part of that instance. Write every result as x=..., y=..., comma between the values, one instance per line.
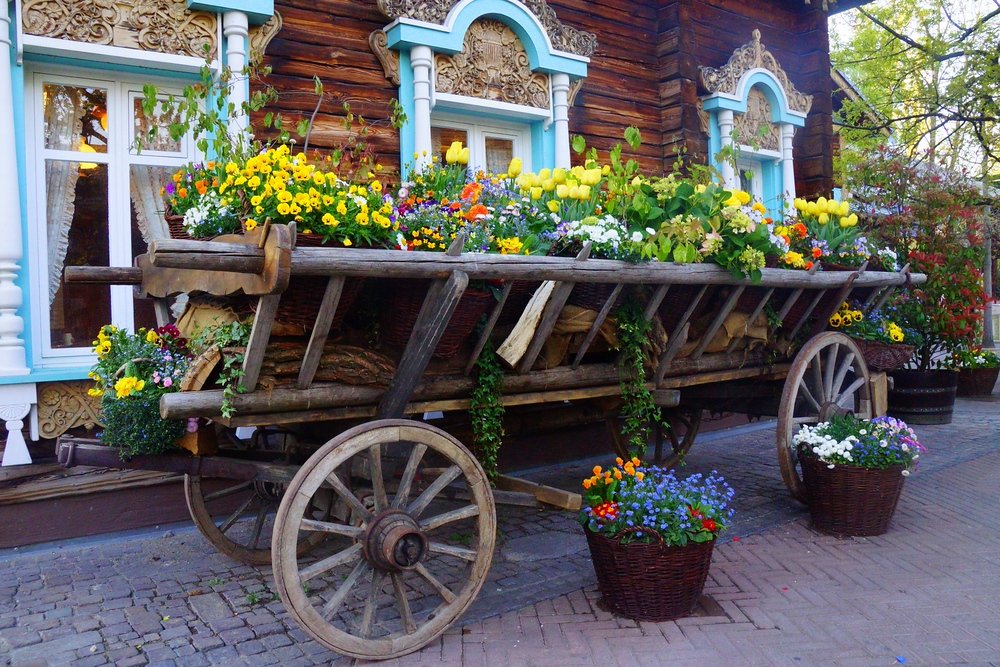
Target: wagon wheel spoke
x=258, y=525
x=404, y=605
x=337, y=599
x=409, y=472
x=435, y=563
x=442, y=590
x=348, y=497
x=804, y=391
x=416, y=508
x=845, y=366
x=817, y=376
x=829, y=370
x=345, y=557
x=228, y=491
x=228, y=523
x=807, y=419
x=371, y=606
x=466, y=512
x=849, y=392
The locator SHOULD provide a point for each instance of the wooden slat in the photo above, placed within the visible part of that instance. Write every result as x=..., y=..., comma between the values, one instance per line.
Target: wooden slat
x=484, y=336
x=549, y=495
x=161, y=310
x=321, y=329
x=103, y=275
x=557, y=300
x=602, y=315
x=844, y=294
x=805, y=316
x=678, y=336
x=654, y=302
x=267, y=308
x=716, y=324
x=435, y=313
x=753, y=316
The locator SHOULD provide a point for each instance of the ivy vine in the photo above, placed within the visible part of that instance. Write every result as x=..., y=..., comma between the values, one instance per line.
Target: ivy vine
x=487, y=412
x=639, y=411
x=233, y=334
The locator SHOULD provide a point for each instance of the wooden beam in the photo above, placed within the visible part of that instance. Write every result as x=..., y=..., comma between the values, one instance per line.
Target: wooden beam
x=753, y=316
x=720, y=318
x=549, y=495
x=320, y=331
x=103, y=275
x=484, y=336
x=267, y=308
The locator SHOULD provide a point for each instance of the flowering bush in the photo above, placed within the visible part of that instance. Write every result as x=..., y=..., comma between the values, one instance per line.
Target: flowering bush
x=874, y=326
x=972, y=357
x=847, y=440
x=131, y=374
x=632, y=496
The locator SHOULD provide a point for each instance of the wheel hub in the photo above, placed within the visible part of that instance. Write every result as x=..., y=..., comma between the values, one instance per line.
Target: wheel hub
x=394, y=542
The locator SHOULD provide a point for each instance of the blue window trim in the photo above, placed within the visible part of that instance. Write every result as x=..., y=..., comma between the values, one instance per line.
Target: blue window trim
x=257, y=11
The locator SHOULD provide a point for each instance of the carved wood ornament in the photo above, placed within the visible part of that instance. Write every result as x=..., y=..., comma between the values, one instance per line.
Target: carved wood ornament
x=162, y=26
x=755, y=127
x=748, y=57
x=492, y=65
x=66, y=405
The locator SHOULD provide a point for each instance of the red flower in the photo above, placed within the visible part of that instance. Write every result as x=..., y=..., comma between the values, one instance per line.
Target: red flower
x=709, y=525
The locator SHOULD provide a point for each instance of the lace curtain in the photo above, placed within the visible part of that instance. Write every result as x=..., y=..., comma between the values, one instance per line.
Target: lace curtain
x=145, y=184
x=63, y=126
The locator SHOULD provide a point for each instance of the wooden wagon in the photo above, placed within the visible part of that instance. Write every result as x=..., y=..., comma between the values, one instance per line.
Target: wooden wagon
x=381, y=537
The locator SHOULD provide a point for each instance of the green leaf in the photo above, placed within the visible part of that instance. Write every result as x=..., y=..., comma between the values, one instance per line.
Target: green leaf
x=579, y=144
x=633, y=137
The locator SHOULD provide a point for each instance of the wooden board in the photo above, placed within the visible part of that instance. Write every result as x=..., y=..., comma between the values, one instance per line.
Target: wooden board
x=549, y=495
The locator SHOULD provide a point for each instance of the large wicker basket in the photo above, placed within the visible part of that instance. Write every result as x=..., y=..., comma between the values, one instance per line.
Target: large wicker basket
x=884, y=356
x=649, y=582
x=850, y=500
x=175, y=224
x=592, y=296
x=401, y=307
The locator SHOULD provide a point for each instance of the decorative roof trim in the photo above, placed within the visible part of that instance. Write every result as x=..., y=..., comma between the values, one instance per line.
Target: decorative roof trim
x=562, y=37
x=728, y=80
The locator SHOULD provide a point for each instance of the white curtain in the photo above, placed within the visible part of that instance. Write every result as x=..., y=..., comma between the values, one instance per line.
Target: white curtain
x=145, y=184
x=63, y=125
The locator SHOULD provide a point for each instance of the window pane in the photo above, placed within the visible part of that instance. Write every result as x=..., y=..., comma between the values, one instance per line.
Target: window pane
x=147, y=221
x=443, y=137
x=76, y=118
x=154, y=129
x=499, y=153
x=76, y=219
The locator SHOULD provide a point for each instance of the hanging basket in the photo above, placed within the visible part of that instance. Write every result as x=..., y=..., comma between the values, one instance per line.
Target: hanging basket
x=649, y=582
x=401, y=306
x=884, y=356
x=850, y=500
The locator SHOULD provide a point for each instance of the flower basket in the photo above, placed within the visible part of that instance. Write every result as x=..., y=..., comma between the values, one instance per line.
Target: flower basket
x=977, y=381
x=649, y=582
x=301, y=301
x=884, y=356
x=175, y=224
x=592, y=296
x=851, y=500
x=402, y=306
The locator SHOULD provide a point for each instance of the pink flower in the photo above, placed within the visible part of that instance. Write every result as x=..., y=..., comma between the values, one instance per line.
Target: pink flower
x=168, y=381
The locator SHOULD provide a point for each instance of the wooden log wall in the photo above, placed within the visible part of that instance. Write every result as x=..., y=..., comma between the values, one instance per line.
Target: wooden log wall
x=644, y=73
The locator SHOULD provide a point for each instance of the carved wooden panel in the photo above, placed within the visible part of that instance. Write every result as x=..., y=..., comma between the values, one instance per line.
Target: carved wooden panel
x=492, y=65
x=261, y=36
x=66, y=405
x=752, y=56
x=755, y=127
x=163, y=26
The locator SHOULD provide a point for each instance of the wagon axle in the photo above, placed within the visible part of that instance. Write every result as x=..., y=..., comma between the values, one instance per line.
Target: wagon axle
x=394, y=542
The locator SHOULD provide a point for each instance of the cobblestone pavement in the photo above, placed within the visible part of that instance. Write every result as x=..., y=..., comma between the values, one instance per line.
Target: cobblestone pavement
x=928, y=592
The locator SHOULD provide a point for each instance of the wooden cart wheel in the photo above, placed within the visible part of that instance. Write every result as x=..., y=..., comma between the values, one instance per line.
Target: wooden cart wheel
x=422, y=551
x=828, y=377
x=248, y=509
x=680, y=445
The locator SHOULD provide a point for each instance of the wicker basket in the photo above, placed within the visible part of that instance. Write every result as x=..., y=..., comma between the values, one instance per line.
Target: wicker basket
x=649, y=582
x=850, y=500
x=592, y=296
x=977, y=381
x=884, y=356
x=175, y=223
x=401, y=306
x=300, y=303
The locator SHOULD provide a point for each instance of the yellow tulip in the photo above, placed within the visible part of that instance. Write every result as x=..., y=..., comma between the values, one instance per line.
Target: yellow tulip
x=536, y=193
x=577, y=172
x=574, y=192
x=591, y=177
x=812, y=208
x=562, y=191
x=545, y=174
x=553, y=206
x=821, y=203
x=584, y=193
x=800, y=204
x=463, y=157
x=515, y=167
x=559, y=175
x=548, y=184
x=845, y=208
x=833, y=207
x=823, y=218
x=605, y=170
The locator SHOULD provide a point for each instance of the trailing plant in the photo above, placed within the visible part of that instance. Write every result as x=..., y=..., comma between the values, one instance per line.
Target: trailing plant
x=638, y=409
x=231, y=335
x=487, y=412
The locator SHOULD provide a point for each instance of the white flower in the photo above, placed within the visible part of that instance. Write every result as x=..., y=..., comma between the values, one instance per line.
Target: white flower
x=906, y=473
x=636, y=237
x=650, y=231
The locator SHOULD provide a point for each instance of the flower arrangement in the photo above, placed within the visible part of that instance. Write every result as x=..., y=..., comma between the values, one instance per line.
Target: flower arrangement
x=131, y=374
x=639, y=499
x=874, y=326
x=971, y=358
x=831, y=230
x=847, y=440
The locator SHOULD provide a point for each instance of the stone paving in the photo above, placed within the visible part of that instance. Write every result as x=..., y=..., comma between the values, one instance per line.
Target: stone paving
x=928, y=592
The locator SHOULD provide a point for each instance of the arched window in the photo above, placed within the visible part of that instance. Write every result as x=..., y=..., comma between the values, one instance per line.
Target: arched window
x=754, y=109
x=497, y=75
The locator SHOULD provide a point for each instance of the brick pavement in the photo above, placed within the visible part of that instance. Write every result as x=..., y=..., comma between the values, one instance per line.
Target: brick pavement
x=928, y=592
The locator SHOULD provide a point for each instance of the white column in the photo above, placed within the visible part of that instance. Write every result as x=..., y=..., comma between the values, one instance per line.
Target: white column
x=560, y=118
x=422, y=59
x=12, y=355
x=15, y=404
x=726, y=135
x=235, y=30
x=787, y=165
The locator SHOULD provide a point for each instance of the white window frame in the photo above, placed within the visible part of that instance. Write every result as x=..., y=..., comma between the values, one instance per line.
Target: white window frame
x=478, y=130
x=755, y=166
x=121, y=89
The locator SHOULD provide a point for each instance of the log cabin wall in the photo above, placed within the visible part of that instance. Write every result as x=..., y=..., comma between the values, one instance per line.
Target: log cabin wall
x=644, y=73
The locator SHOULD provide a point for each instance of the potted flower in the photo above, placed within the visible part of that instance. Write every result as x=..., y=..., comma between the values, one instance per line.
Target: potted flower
x=132, y=372
x=881, y=340
x=978, y=370
x=931, y=219
x=853, y=470
x=832, y=232
x=651, y=536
